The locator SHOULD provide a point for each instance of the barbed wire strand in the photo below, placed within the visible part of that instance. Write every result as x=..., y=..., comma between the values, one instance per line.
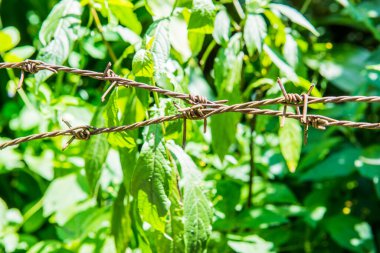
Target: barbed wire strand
x=201, y=107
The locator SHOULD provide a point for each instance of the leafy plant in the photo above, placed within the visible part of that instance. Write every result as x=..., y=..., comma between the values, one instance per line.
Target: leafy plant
x=246, y=185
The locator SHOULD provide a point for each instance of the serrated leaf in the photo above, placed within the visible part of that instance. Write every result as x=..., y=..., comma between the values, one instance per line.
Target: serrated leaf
x=158, y=43
x=151, y=180
x=142, y=64
x=221, y=31
x=111, y=114
x=96, y=152
x=255, y=31
x=279, y=61
x=227, y=71
x=202, y=16
x=290, y=136
x=294, y=16
x=58, y=33
x=197, y=207
x=9, y=37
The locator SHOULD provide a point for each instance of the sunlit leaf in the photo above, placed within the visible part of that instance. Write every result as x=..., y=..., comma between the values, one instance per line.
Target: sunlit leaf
x=294, y=16
x=290, y=136
x=9, y=38
x=151, y=180
x=221, y=33
x=202, y=16
x=255, y=30
x=58, y=34
x=160, y=8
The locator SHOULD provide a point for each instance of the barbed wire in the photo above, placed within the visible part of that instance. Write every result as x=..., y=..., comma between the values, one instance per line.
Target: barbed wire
x=200, y=107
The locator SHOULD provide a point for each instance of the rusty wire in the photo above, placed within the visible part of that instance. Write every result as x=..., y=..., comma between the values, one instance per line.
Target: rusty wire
x=201, y=107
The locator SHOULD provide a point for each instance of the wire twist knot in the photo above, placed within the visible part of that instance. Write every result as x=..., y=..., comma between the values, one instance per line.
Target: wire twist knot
x=108, y=72
x=79, y=132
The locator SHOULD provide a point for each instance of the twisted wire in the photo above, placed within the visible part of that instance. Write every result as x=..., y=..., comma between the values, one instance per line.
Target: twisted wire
x=201, y=107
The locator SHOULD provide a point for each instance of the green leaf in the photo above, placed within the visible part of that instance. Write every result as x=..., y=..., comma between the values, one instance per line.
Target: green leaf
x=64, y=192
x=117, y=139
x=19, y=54
x=290, y=51
x=151, y=180
x=96, y=152
x=158, y=43
x=121, y=221
x=290, y=136
x=123, y=10
x=142, y=64
x=279, y=61
x=361, y=16
x=197, y=207
x=255, y=31
x=160, y=8
x=252, y=243
x=202, y=16
x=222, y=25
x=339, y=164
x=351, y=233
x=368, y=166
x=9, y=38
x=58, y=34
x=294, y=16
x=227, y=71
x=179, y=38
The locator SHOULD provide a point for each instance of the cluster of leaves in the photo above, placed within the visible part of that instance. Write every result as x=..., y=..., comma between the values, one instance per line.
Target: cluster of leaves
x=231, y=189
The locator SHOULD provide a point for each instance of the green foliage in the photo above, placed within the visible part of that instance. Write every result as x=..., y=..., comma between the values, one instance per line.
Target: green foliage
x=140, y=191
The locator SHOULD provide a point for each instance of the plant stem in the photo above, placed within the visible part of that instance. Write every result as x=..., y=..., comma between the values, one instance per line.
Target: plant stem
x=207, y=53
x=251, y=161
x=100, y=29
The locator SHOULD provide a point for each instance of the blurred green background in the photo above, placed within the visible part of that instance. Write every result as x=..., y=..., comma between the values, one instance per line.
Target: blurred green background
x=79, y=200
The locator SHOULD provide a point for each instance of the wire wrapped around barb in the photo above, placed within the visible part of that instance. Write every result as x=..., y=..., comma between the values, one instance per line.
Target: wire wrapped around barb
x=194, y=112
x=80, y=133
x=108, y=72
x=33, y=67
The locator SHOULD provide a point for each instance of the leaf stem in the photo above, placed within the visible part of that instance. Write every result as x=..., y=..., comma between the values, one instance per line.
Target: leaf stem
x=94, y=14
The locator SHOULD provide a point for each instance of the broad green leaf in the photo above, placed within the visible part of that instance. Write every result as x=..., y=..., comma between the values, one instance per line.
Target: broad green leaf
x=48, y=246
x=294, y=16
x=344, y=66
x=196, y=42
x=9, y=37
x=19, y=54
x=160, y=8
x=255, y=31
x=279, y=61
x=142, y=64
x=121, y=221
x=227, y=71
x=368, y=166
x=290, y=136
x=123, y=10
x=158, y=43
x=41, y=164
x=197, y=207
x=58, y=33
x=111, y=114
x=221, y=31
x=64, y=192
x=202, y=17
x=96, y=152
x=351, y=233
x=151, y=180
x=338, y=164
